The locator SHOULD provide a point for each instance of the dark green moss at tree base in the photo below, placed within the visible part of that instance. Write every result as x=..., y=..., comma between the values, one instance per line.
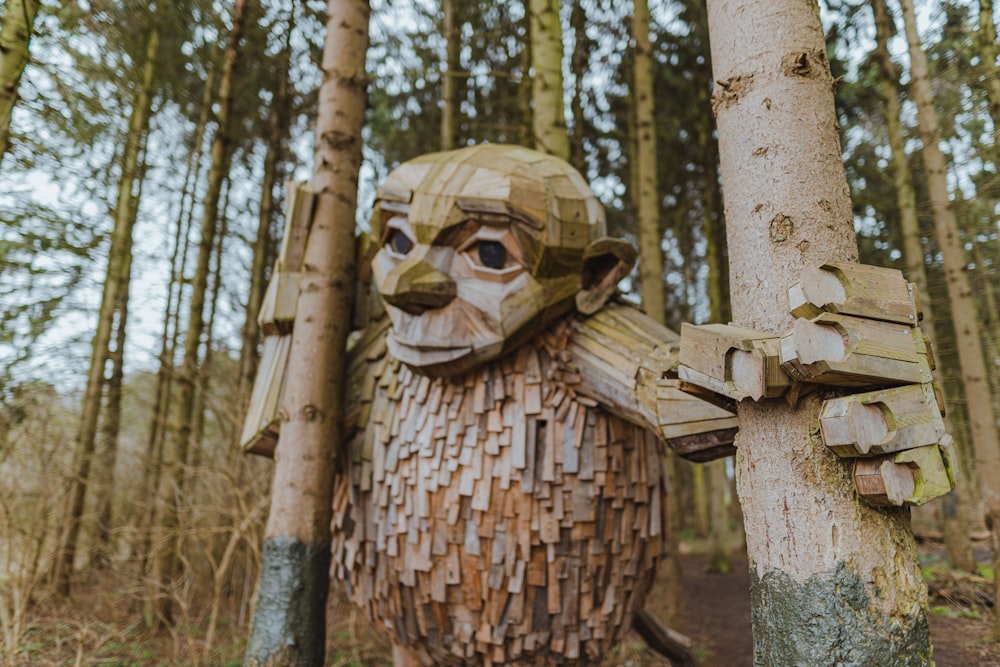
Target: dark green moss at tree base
x=289, y=621
x=829, y=621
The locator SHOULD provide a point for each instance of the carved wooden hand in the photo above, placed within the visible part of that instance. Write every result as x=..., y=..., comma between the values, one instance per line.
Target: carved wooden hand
x=855, y=328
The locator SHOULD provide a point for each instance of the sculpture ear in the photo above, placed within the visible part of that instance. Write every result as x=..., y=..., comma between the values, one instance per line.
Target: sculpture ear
x=605, y=262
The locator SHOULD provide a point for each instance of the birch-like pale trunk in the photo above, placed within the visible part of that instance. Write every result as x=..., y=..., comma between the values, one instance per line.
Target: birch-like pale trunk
x=549, y=116
x=982, y=418
x=15, y=34
x=289, y=619
x=118, y=260
x=833, y=581
x=955, y=507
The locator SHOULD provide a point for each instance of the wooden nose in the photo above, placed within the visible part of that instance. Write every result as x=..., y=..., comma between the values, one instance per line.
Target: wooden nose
x=415, y=286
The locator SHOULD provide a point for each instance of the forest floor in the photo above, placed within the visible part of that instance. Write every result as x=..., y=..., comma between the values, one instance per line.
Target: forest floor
x=101, y=626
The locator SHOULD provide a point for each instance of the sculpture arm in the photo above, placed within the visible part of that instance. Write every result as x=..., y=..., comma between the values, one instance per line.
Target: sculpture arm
x=627, y=363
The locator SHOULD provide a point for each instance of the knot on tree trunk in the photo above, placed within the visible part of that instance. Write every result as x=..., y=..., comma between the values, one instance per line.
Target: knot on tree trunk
x=728, y=92
x=811, y=64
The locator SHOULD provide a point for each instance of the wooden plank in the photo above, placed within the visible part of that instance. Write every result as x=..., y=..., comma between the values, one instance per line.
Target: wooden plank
x=912, y=477
x=882, y=422
x=848, y=351
x=854, y=289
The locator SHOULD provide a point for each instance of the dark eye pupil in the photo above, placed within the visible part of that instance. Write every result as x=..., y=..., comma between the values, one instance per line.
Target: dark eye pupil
x=492, y=254
x=400, y=242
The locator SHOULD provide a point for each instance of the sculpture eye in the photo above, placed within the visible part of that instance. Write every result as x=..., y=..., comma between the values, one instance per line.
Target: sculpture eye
x=492, y=254
x=399, y=242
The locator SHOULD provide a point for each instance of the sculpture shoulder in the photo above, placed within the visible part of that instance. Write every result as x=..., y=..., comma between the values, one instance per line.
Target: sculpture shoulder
x=367, y=360
x=624, y=335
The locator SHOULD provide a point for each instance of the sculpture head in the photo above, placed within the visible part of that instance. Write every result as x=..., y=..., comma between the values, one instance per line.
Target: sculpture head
x=482, y=246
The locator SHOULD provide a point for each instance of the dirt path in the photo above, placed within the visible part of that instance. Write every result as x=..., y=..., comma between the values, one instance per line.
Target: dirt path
x=717, y=616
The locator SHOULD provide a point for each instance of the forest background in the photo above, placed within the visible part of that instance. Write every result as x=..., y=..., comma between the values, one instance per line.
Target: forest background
x=142, y=181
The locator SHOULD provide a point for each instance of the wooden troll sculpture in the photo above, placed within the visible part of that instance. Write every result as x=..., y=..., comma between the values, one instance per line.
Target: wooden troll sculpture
x=502, y=499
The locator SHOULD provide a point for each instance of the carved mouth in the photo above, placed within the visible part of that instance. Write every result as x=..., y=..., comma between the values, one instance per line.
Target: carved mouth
x=425, y=355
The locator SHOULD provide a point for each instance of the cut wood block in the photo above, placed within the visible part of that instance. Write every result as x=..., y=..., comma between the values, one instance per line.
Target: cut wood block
x=853, y=352
x=706, y=446
x=854, y=289
x=277, y=311
x=913, y=477
x=735, y=362
x=300, y=203
x=882, y=422
x=262, y=422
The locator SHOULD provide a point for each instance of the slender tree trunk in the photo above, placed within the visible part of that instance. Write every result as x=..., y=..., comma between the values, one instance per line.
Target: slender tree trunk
x=580, y=65
x=955, y=507
x=204, y=372
x=982, y=419
x=549, y=116
x=647, y=203
x=177, y=446
x=289, y=621
x=525, y=89
x=832, y=580
x=449, y=85
x=15, y=34
x=103, y=548
x=644, y=157
x=988, y=55
x=118, y=257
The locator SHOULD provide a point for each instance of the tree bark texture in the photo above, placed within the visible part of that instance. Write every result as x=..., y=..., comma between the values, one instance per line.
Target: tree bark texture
x=647, y=197
x=549, y=116
x=177, y=444
x=119, y=257
x=289, y=620
x=15, y=35
x=956, y=506
x=982, y=418
x=833, y=581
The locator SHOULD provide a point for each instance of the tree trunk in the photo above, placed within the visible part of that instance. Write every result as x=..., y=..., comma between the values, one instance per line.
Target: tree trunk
x=289, y=620
x=449, y=85
x=176, y=446
x=118, y=257
x=103, y=547
x=982, y=419
x=955, y=507
x=832, y=579
x=15, y=34
x=644, y=158
x=988, y=56
x=647, y=204
x=580, y=64
x=549, y=117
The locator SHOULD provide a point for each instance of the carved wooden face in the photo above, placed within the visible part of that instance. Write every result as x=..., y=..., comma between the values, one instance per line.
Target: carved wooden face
x=480, y=247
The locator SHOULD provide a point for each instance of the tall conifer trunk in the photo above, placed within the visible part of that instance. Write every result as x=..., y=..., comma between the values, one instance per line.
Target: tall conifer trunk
x=647, y=203
x=15, y=34
x=289, y=619
x=833, y=581
x=449, y=84
x=119, y=256
x=956, y=507
x=982, y=418
x=177, y=444
x=548, y=113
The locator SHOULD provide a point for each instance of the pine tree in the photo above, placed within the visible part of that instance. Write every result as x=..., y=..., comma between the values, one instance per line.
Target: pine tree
x=820, y=590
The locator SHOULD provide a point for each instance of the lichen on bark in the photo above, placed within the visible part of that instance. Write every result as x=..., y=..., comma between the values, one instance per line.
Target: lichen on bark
x=811, y=625
x=293, y=587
